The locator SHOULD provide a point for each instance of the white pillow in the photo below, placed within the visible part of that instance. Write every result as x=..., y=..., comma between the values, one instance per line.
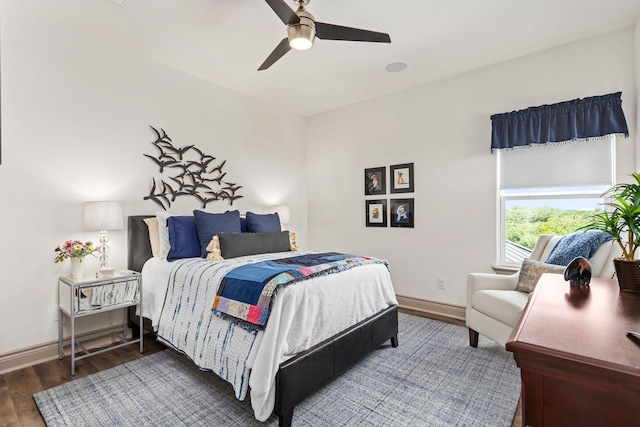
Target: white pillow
x=163, y=233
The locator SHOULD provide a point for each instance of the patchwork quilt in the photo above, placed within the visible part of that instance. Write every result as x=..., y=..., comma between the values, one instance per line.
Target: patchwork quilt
x=247, y=291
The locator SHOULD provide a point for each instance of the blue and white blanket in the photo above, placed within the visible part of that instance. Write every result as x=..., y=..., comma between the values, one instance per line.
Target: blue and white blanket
x=301, y=316
x=580, y=244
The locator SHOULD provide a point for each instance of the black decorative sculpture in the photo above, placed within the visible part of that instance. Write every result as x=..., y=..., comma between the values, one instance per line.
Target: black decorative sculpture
x=195, y=175
x=578, y=272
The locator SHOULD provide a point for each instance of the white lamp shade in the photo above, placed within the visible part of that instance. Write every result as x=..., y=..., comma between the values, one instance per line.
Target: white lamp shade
x=102, y=216
x=284, y=212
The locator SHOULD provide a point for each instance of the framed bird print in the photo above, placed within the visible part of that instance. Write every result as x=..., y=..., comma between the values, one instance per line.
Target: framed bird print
x=375, y=181
x=401, y=178
x=376, y=213
x=401, y=212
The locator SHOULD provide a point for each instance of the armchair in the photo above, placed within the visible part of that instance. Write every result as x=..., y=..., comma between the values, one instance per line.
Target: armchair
x=494, y=306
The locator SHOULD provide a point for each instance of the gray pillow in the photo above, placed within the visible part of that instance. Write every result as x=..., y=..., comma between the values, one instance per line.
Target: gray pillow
x=234, y=245
x=531, y=271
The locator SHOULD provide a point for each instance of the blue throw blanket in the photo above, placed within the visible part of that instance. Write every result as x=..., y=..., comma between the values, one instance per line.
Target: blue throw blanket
x=246, y=292
x=580, y=244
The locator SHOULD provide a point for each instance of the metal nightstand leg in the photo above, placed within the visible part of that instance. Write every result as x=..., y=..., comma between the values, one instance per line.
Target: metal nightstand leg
x=73, y=345
x=60, y=346
x=140, y=314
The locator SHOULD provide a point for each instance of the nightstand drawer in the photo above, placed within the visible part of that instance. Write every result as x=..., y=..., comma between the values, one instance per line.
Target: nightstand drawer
x=104, y=294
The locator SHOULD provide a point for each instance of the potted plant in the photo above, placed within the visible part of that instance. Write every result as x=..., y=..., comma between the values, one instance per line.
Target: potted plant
x=621, y=220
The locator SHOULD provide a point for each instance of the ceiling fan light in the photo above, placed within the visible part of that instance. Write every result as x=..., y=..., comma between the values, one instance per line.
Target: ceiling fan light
x=300, y=43
x=301, y=36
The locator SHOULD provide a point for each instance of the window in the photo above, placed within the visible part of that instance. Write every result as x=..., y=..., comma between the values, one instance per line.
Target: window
x=531, y=212
x=551, y=189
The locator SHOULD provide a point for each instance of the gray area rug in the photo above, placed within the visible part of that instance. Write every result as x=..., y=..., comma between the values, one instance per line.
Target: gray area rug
x=432, y=379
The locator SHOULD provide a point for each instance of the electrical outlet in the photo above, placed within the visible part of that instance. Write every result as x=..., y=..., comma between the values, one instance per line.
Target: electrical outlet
x=442, y=283
x=55, y=314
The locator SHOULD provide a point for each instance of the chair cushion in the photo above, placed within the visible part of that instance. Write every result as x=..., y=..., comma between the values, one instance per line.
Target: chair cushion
x=602, y=261
x=504, y=306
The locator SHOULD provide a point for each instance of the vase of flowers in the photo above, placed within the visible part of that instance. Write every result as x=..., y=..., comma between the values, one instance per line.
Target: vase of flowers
x=77, y=268
x=75, y=250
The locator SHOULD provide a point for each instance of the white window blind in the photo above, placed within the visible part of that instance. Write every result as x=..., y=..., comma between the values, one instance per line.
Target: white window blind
x=579, y=163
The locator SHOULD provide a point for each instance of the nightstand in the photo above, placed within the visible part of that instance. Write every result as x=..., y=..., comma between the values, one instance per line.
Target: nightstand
x=86, y=296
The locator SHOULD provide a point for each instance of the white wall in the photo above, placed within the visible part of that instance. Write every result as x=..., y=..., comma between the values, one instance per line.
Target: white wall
x=75, y=126
x=444, y=128
x=637, y=70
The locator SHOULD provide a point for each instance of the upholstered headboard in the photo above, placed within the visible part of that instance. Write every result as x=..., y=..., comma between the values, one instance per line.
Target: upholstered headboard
x=139, y=246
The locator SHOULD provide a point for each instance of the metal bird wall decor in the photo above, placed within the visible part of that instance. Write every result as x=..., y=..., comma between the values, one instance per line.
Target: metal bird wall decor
x=196, y=174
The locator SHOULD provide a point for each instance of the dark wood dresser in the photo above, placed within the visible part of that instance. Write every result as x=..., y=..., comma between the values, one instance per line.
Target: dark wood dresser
x=578, y=367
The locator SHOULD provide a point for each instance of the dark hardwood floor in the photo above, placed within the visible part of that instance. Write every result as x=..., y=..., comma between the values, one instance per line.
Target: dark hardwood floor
x=18, y=408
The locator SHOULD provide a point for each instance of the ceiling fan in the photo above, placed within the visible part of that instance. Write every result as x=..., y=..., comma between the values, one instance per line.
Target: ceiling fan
x=302, y=29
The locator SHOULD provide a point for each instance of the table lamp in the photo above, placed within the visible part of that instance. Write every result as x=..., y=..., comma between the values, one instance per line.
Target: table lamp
x=284, y=212
x=103, y=217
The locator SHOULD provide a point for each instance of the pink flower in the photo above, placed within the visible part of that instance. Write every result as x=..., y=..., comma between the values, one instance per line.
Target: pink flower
x=74, y=249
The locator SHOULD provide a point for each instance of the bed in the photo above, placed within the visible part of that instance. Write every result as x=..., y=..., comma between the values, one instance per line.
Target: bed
x=306, y=371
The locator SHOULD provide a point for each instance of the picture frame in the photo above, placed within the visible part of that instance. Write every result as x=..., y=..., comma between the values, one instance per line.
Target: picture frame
x=376, y=213
x=375, y=181
x=402, y=178
x=402, y=213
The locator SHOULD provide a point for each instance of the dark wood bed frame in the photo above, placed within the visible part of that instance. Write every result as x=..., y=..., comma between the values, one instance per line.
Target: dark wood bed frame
x=307, y=372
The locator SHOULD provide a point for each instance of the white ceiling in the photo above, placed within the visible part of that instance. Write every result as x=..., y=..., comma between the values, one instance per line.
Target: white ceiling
x=224, y=41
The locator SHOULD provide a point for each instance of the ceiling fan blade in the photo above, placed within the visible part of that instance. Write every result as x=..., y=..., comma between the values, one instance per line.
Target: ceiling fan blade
x=282, y=48
x=338, y=32
x=283, y=11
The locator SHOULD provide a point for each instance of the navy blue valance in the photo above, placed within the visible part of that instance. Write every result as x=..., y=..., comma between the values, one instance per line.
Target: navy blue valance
x=584, y=118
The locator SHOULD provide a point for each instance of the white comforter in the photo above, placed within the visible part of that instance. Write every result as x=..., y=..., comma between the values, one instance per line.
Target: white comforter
x=302, y=315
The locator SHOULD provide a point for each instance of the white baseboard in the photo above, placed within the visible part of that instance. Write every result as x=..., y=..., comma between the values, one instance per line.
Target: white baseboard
x=36, y=354
x=431, y=307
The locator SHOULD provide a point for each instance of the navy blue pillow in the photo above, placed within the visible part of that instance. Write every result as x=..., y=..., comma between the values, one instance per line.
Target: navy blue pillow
x=183, y=238
x=211, y=224
x=266, y=223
